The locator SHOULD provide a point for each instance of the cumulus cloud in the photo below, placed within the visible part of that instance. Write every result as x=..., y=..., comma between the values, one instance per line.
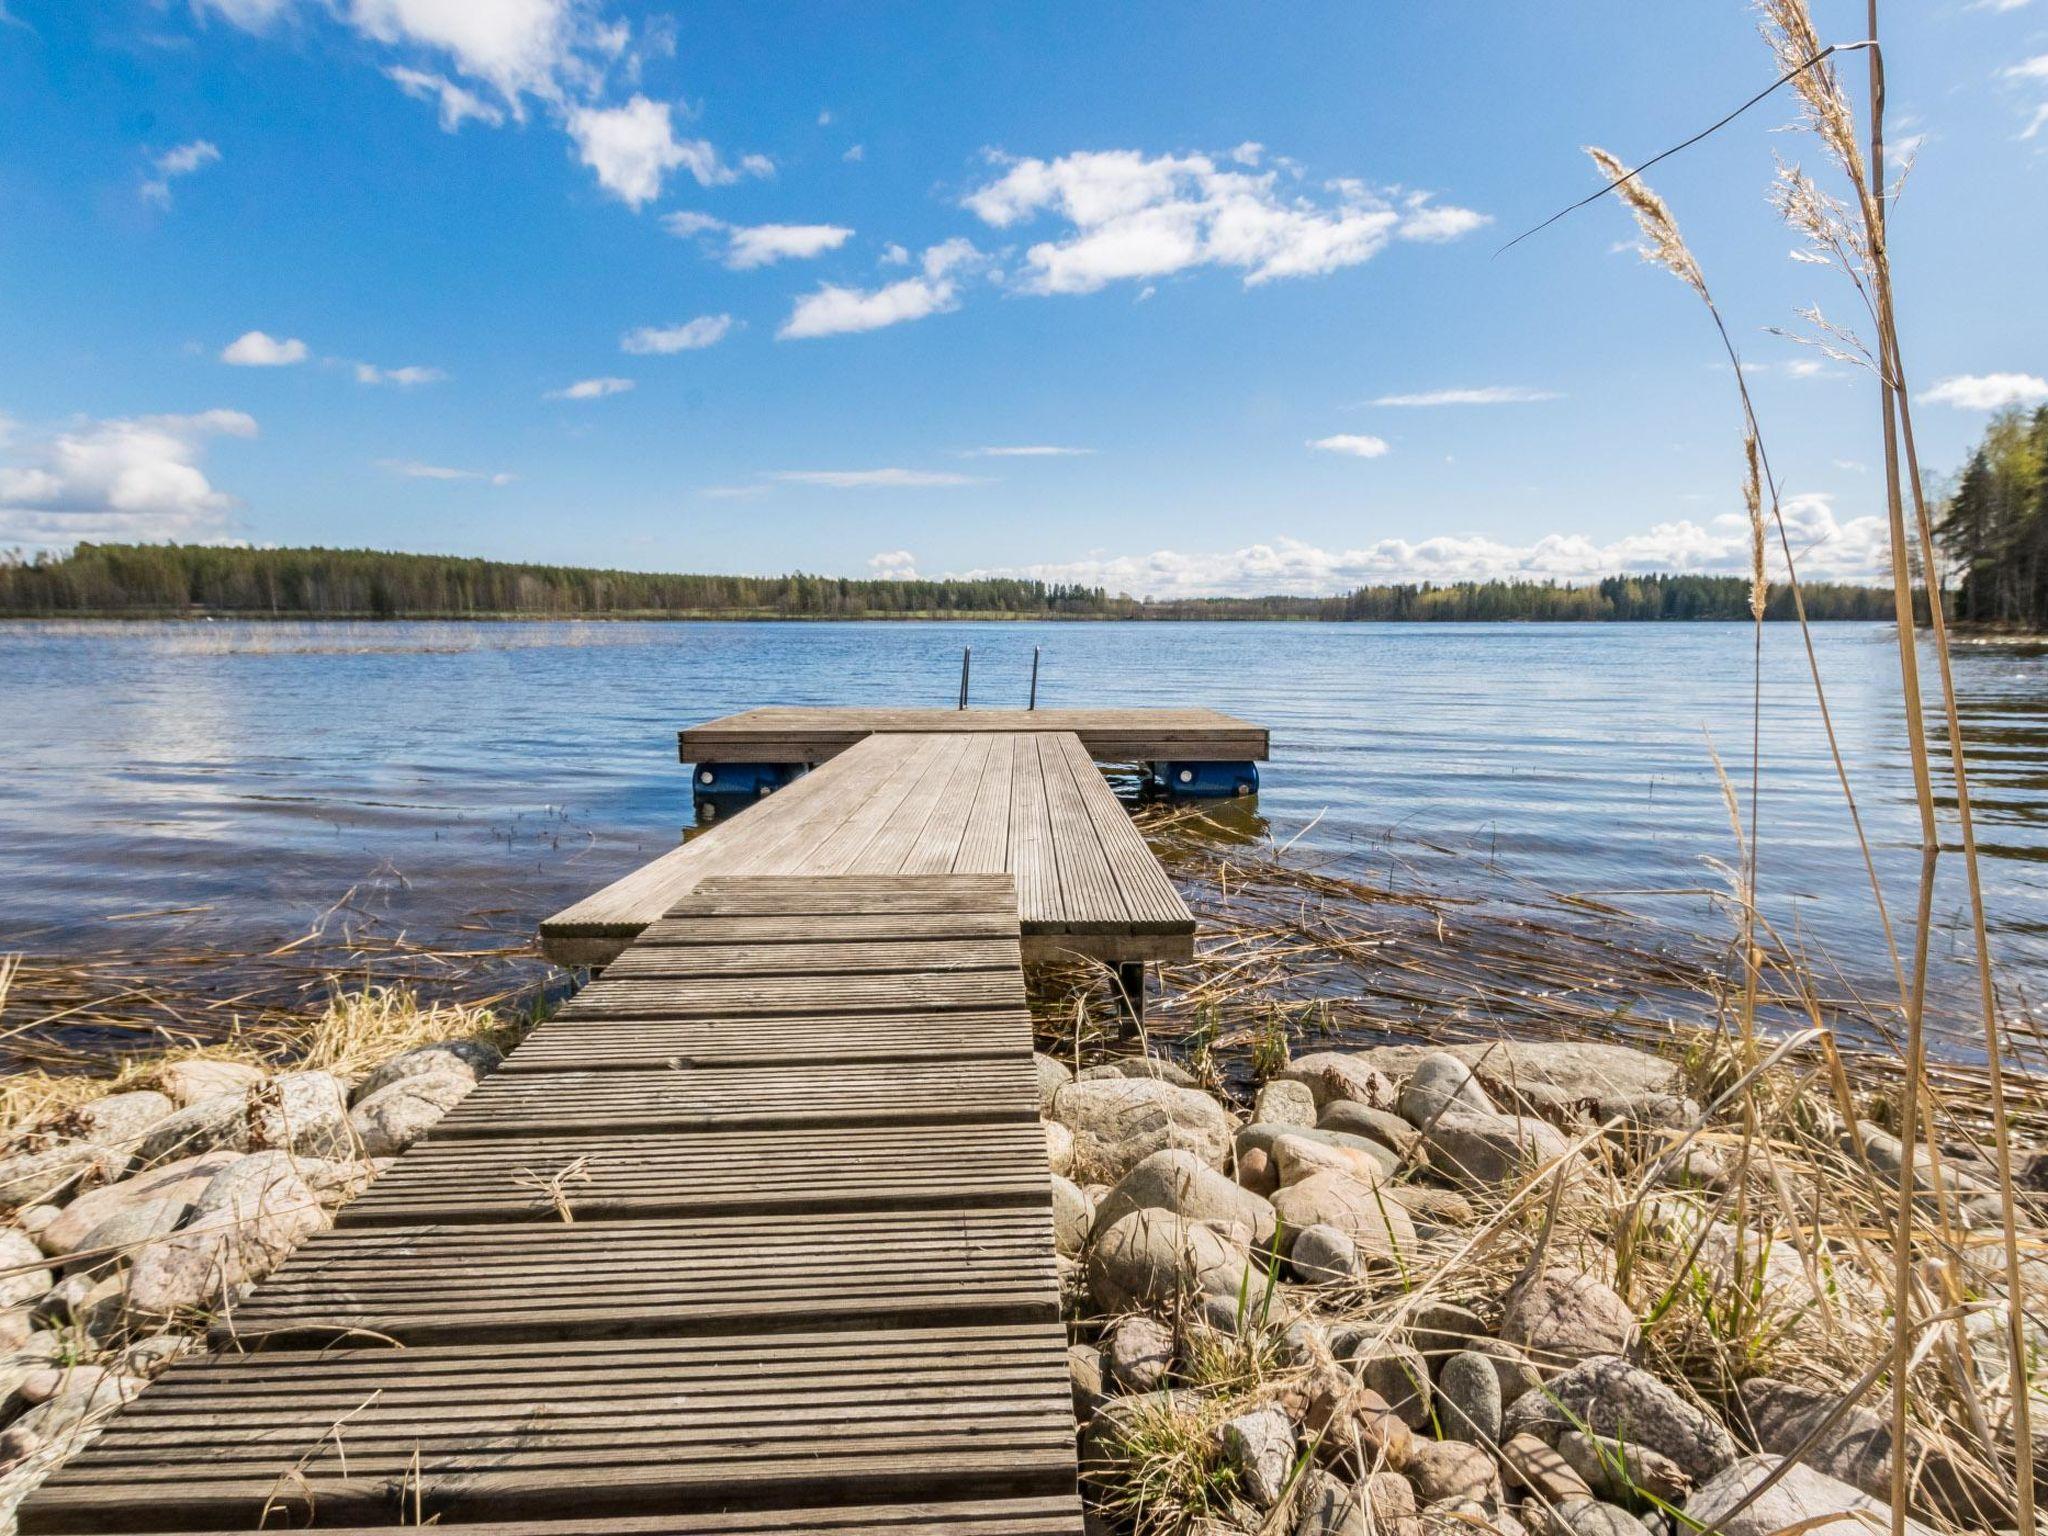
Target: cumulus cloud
x=1987, y=391
x=1136, y=216
x=120, y=478
x=1491, y=394
x=743, y=247
x=632, y=148
x=1831, y=548
x=664, y=340
x=458, y=104
x=172, y=164
x=833, y=310
x=590, y=389
x=407, y=377
x=870, y=479
x=893, y=565
x=1359, y=445
x=258, y=349
x=413, y=469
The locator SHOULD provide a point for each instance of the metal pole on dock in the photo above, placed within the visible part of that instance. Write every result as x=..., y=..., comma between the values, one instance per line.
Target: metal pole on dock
x=966, y=655
x=1034, y=678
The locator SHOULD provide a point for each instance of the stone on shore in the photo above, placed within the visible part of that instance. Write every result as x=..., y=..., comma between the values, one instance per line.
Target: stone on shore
x=1348, y=1075
x=1322, y=1255
x=1059, y=1147
x=118, y=1119
x=1469, y=1399
x=118, y=1238
x=1588, y=1071
x=250, y=1216
x=1582, y=1517
x=210, y=1125
x=1400, y=1374
x=54, y=1175
x=1260, y=1446
x=1138, y=1353
x=1283, y=1101
x=1805, y=1499
x=1053, y=1075
x=1618, y=1468
x=472, y=1059
x=1073, y=1217
x=1184, y=1184
x=1381, y=1125
x=183, y=1180
x=1380, y=1227
x=301, y=1112
x=1560, y=1317
x=1492, y=1149
x=24, y=1274
x=1118, y=1122
x=395, y=1116
x=195, y=1080
x=1856, y=1451
x=1298, y=1157
x=1444, y=1470
x=1440, y=1084
x=1607, y=1395
x=1153, y=1257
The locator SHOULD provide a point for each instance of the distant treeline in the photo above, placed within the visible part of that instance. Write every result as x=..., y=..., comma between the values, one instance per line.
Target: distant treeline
x=1994, y=525
x=178, y=580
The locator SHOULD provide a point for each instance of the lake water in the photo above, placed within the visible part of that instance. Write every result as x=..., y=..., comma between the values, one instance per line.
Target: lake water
x=226, y=783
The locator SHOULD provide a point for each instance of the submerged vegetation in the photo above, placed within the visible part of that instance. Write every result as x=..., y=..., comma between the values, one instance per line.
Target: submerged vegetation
x=173, y=580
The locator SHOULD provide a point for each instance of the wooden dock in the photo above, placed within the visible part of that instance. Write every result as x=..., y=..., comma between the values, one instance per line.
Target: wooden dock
x=739, y=1242
x=755, y=1235
x=987, y=800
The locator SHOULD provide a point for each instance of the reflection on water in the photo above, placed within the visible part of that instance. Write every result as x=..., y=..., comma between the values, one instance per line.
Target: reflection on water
x=258, y=771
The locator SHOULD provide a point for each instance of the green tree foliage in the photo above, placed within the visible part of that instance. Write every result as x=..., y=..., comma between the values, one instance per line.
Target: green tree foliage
x=180, y=580
x=1994, y=525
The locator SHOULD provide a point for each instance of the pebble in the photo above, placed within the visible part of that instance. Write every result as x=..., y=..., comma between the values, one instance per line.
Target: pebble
x=24, y=1274
x=1468, y=1398
x=1620, y=1469
x=1089, y=1381
x=1453, y=1470
x=1439, y=1084
x=1059, y=1148
x=1284, y=1101
x=1182, y=1183
x=1609, y=1396
x=1139, y=1353
x=1400, y=1374
x=1152, y=1257
x=1381, y=1229
x=1322, y=1254
x=1073, y=1217
x=1560, y=1317
x=1260, y=1447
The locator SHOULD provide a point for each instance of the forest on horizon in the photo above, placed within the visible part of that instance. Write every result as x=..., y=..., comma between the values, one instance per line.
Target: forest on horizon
x=186, y=580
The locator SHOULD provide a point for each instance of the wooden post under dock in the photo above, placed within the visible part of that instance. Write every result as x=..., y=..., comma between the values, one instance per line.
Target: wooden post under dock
x=754, y=1236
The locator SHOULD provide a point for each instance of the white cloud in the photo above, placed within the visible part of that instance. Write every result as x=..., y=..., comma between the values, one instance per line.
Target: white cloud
x=867, y=479
x=257, y=349
x=173, y=163
x=2035, y=68
x=1028, y=451
x=1250, y=152
x=834, y=311
x=855, y=154
x=893, y=565
x=1987, y=391
x=633, y=147
x=1358, y=444
x=407, y=377
x=458, y=104
x=590, y=389
x=1134, y=216
x=690, y=336
x=413, y=469
x=894, y=255
x=747, y=246
x=1829, y=548
x=1490, y=394
x=121, y=478
x=517, y=47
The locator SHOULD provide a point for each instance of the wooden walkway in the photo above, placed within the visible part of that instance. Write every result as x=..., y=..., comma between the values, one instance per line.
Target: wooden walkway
x=1028, y=804
x=754, y=1236
x=787, y=734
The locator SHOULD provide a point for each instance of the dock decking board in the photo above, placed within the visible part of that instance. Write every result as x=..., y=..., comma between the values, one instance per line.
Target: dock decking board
x=797, y=734
x=1027, y=804
x=646, y=1278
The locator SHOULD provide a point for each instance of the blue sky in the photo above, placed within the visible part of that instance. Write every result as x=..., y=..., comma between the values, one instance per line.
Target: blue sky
x=750, y=288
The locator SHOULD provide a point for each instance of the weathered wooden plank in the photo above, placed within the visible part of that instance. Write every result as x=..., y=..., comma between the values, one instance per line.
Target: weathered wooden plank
x=800, y=734
x=442, y=1285
x=1031, y=850
x=939, y=843
x=1153, y=903
x=820, y=956
x=682, y=1098
x=701, y=930
x=1089, y=895
x=828, y=1169
x=985, y=840
x=765, y=996
x=1037, y=1515
x=591, y=1429
x=810, y=1040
